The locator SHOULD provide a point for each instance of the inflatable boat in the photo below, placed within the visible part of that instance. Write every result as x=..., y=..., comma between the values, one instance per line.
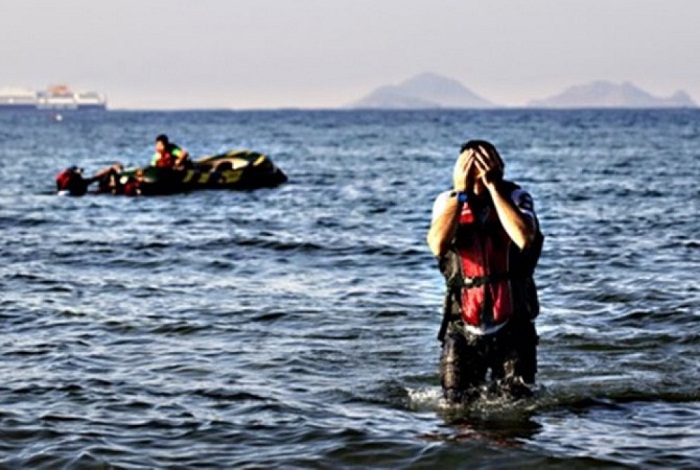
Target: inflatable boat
x=237, y=169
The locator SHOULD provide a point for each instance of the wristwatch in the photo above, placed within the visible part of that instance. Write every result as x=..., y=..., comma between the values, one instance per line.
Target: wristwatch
x=460, y=195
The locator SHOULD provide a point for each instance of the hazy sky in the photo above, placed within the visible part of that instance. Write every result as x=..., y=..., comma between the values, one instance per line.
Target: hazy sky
x=321, y=53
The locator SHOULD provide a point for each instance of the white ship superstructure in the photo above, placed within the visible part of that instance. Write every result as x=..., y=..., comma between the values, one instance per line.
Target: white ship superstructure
x=18, y=98
x=91, y=99
x=55, y=97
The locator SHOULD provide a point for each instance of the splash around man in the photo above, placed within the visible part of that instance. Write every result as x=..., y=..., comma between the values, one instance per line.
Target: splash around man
x=485, y=235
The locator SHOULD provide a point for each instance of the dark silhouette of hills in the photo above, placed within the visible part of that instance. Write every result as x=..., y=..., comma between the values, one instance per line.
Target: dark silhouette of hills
x=432, y=91
x=424, y=91
x=603, y=94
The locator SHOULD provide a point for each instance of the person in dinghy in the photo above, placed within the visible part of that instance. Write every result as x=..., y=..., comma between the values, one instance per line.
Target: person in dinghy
x=170, y=155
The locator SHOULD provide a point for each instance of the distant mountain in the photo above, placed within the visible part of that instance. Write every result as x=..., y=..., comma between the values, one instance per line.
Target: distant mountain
x=602, y=94
x=423, y=91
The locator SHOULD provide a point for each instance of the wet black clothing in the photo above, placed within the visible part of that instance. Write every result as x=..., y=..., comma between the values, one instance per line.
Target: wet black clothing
x=510, y=353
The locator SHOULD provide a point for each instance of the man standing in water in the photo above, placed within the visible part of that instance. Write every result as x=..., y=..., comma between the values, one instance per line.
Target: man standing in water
x=486, y=237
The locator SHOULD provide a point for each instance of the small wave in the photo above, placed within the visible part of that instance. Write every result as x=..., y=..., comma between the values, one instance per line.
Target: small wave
x=182, y=328
x=229, y=395
x=280, y=245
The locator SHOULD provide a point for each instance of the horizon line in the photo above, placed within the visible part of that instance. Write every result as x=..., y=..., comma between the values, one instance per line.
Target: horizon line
x=350, y=108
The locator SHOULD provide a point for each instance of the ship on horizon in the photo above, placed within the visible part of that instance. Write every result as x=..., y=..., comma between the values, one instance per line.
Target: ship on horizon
x=57, y=97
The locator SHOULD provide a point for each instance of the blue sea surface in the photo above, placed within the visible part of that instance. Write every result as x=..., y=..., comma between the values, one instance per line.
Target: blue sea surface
x=296, y=327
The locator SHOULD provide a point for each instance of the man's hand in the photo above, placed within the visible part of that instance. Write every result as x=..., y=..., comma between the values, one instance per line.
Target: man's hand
x=181, y=159
x=461, y=171
x=489, y=166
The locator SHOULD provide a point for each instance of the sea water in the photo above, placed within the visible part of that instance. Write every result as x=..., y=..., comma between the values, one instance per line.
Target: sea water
x=296, y=326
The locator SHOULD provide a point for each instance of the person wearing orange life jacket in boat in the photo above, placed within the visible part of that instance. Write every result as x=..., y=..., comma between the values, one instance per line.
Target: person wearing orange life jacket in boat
x=486, y=237
x=169, y=155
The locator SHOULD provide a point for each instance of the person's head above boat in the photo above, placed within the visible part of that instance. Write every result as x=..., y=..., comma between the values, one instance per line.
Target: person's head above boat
x=162, y=143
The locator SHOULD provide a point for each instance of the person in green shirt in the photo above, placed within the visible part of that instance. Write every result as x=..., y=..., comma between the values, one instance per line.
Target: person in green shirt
x=169, y=154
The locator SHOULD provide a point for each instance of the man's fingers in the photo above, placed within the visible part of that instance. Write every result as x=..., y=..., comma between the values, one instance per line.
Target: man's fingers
x=481, y=167
x=492, y=157
x=470, y=160
x=467, y=155
x=482, y=160
x=484, y=167
x=466, y=159
x=488, y=157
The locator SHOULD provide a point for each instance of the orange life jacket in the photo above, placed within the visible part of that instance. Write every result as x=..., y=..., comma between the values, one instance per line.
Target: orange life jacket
x=165, y=160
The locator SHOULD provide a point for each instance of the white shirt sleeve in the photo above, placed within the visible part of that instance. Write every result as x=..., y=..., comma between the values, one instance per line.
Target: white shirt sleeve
x=439, y=204
x=523, y=201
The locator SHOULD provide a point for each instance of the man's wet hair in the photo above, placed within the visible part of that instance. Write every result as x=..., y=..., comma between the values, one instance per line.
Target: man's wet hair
x=475, y=144
x=163, y=138
x=484, y=144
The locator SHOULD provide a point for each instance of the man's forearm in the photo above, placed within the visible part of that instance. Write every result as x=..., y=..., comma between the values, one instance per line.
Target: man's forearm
x=181, y=158
x=442, y=230
x=519, y=227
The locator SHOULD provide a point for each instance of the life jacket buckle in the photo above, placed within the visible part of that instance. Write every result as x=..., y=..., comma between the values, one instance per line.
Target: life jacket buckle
x=477, y=281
